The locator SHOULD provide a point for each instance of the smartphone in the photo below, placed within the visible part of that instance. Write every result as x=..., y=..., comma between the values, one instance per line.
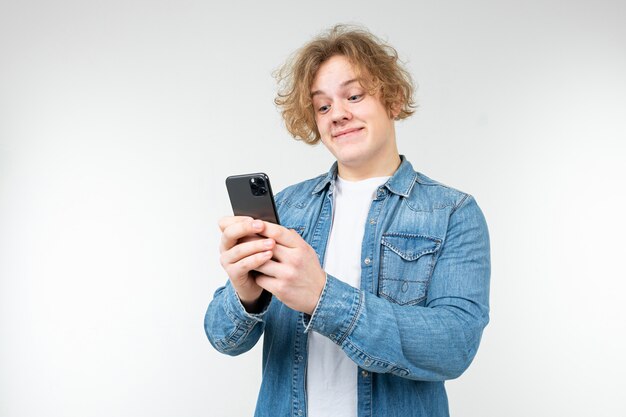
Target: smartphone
x=251, y=195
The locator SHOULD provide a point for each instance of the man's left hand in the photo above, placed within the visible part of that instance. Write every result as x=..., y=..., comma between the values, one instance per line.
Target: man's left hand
x=294, y=274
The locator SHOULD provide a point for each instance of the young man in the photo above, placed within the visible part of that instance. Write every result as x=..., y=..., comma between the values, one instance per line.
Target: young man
x=375, y=289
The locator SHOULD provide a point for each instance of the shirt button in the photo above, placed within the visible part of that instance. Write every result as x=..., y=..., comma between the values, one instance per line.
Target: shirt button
x=367, y=261
x=365, y=374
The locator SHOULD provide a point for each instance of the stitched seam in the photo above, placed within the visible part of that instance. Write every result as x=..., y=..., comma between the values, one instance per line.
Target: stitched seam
x=408, y=303
x=353, y=321
x=405, y=280
x=414, y=256
x=437, y=207
x=372, y=358
x=250, y=322
x=232, y=340
x=313, y=316
x=408, y=192
x=465, y=197
x=401, y=234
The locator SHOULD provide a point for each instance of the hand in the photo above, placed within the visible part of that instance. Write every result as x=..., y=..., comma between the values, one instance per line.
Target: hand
x=242, y=251
x=294, y=275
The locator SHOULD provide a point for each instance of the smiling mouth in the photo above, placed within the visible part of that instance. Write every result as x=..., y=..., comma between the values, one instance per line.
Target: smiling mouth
x=347, y=132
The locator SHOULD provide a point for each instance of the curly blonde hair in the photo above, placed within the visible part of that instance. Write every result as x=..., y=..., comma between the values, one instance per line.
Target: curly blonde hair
x=368, y=54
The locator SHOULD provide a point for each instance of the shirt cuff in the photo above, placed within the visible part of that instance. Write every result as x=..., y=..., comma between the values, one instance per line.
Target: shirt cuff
x=337, y=310
x=237, y=312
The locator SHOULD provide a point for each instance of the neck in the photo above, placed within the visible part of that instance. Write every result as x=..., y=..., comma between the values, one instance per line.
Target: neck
x=385, y=168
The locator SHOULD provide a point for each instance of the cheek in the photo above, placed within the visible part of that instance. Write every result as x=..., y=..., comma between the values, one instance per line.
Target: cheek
x=366, y=114
x=322, y=127
x=380, y=118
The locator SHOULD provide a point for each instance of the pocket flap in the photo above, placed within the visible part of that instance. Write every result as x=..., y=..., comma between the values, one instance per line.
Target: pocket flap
x=410, y=246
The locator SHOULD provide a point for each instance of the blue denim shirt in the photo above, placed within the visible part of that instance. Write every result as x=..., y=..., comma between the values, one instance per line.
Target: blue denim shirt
x=416, y=319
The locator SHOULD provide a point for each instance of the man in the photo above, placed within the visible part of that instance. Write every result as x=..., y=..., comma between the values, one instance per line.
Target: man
x=375, y=289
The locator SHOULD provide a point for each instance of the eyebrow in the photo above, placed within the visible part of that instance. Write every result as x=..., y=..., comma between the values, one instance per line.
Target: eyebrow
x=343, y=84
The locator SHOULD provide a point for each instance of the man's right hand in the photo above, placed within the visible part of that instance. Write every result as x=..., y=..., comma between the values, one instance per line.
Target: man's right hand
x=241, y=252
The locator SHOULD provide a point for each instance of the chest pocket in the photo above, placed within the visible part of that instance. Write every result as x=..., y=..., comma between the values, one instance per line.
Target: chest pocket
x=407, y=262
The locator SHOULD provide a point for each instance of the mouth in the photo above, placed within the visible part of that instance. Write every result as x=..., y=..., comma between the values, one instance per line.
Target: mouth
x=346, y=133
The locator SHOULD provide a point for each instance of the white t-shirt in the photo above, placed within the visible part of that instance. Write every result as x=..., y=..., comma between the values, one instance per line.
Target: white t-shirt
x=332, y=376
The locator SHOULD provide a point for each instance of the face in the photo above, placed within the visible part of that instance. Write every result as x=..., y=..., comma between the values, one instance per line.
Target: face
x=354, y=126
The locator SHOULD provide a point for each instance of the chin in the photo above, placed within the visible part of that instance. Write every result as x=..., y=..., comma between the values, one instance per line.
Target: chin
x=350, y=158
x=349, y=154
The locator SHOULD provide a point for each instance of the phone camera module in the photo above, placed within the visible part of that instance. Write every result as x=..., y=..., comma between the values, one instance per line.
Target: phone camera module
x=258, y=186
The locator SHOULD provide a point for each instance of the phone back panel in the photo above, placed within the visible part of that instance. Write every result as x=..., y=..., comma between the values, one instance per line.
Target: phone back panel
x=245, y=203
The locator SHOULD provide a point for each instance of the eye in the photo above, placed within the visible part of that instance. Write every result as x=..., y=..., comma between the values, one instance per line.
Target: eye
x=323, y=109
x=355, y=97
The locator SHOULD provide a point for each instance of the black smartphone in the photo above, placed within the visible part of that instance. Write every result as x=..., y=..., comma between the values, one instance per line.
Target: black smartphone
x=251, y=195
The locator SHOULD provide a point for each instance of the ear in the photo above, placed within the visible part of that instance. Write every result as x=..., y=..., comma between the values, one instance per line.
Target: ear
x=395, y=109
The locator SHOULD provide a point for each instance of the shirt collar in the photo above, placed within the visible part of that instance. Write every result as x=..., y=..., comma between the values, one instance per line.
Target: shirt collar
x=400, y=183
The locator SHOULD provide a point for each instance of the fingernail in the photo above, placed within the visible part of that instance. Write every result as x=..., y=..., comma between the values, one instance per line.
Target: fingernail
x=257, y=225
x=268, y=243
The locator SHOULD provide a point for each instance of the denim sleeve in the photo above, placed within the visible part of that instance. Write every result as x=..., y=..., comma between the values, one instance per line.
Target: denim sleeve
x=227, y=324
x=434, y=342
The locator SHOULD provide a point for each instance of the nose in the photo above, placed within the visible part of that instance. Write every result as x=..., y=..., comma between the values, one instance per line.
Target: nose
x=340, y=112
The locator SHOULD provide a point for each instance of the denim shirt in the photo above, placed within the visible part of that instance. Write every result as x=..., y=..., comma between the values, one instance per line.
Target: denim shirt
x=416, y=319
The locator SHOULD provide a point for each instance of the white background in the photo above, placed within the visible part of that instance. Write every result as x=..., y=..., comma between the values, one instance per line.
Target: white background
x=119, y=121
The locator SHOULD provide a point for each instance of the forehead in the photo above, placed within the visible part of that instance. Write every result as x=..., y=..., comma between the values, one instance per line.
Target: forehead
x=334, y=73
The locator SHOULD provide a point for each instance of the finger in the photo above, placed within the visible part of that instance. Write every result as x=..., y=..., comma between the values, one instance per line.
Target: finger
x=242, y=250
x=273, y=268
x=286, y=237
x=237, y=230
x=250, y=238
x=247, y=264
x=226, y=221
x=281, y=253
x=268, y=283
